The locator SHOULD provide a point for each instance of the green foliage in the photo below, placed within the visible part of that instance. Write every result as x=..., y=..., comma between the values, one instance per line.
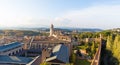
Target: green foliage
x=91, y=49
x=82, y=62
x=113, y=45
x=81, y=47
x=116, y=47
x=44, y=34
x=69, y=64
x=106, y=33
x=83, y=35
x=72, y=58
x=20, y=32
x=45, y=63
x=78, y=53
x=109, y=42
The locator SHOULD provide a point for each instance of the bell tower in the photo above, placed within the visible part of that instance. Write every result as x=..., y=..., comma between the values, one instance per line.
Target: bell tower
x=51, y=30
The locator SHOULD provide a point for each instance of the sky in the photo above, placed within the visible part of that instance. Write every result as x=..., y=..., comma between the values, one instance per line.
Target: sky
x=103, y=14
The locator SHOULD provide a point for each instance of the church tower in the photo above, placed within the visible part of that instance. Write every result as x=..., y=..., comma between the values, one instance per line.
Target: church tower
x=51, y=30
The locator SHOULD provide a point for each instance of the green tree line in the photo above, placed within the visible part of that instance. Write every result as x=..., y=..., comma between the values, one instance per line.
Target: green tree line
x=113, y=49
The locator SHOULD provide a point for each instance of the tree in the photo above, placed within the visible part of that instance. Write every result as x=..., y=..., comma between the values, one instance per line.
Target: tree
x=72, y=58
x=45, y=63
x=116, y=46
x=109, y=42
x=93, y=49
x=78, y=53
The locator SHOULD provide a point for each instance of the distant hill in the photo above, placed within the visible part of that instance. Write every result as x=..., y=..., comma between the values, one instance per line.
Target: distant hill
x=68, y=29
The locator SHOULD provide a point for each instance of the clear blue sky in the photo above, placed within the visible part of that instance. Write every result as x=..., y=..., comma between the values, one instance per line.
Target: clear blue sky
x=102, y=14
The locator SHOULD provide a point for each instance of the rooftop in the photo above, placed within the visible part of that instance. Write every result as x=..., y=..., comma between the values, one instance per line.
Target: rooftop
x=59, y=53
x=14, y=60
x=10, y=46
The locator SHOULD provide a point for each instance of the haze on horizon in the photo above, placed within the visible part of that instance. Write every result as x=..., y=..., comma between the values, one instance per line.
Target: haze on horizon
x=102, y=14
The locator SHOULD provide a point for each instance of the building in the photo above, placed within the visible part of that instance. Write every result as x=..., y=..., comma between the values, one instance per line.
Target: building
x=14, y=60
x=54, y=38
x=51, y=30
x=58, y=34
x=45, y=45
x=11, y=48
x=10, y=54
x=58, y=56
